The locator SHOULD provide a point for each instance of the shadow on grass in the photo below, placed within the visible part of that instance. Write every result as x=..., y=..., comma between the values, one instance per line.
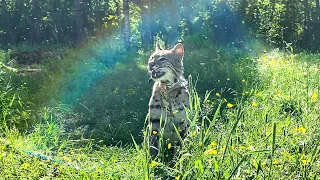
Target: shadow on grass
x=107, y=97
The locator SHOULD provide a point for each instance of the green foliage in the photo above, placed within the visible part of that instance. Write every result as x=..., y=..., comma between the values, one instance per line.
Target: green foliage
x=248, y=138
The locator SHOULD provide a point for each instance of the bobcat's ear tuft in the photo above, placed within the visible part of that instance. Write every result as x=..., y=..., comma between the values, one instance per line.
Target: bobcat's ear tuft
x=158, y=47
x=178, y=49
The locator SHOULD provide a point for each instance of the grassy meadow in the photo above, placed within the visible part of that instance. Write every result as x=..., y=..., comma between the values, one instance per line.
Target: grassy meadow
x=259, y=119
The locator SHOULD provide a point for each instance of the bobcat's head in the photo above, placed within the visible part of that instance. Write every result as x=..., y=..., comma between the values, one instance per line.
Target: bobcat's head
x=166, y=66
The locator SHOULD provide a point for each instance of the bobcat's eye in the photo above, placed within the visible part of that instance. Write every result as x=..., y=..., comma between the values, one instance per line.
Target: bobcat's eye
x=161, y=59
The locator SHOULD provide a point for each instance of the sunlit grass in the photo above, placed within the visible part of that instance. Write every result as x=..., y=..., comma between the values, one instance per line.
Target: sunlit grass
x=269, y=131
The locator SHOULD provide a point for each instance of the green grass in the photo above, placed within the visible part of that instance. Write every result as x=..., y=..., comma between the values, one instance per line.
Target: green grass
x=269, y=131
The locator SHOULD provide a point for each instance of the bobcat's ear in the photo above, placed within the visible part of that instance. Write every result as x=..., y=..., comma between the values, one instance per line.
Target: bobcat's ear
x=158, y=47
x=178, y=49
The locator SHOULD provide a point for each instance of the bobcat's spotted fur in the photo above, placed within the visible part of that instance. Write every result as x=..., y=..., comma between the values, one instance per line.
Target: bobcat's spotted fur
x=169, y=96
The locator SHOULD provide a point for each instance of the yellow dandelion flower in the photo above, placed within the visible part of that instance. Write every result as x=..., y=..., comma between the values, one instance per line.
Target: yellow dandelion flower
x=263, y=163
x=272, y=62
x=154, y=164
x=268, y=133
x=314, y=96
x=25, y=165
x=300, y=130
x=264, y=59
x=304, y=161
x=211, y=152
x=67, y=159
x=175, y=112
x=230, y=105
x=169, y=145
x=278, y=93
x=60, y=153
x=3, y=148
x=254, y=104
x=218, y=94
x=177, y=178
x=115, y=161
x=279, y=166
x=243, y=81
x=154, y=132
x=275, y=162
x=213, y=144
x=232, y=147
x=242, y=147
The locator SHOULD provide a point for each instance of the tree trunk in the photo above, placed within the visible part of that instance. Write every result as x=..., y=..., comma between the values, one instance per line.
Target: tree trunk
x=78, y=22
x=126, y=28
x=7, y=24
x=307, y=28
x=36, y=14
x=119, y=14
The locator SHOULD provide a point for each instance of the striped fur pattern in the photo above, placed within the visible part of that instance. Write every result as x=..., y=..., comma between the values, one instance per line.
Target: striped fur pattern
x=169, y=97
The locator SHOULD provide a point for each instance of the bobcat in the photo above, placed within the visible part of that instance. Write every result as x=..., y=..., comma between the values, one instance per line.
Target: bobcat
x=169, y=97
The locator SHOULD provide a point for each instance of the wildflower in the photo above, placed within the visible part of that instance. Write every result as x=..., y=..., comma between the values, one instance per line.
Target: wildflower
x=67, y=159
x=264, y=59
x=228, y=79
x=275, y=162
x=175, y=112
x=304, y=161
x=263, y=163
x=154, y=164
x=242, y=147
x=230, y=105
x=59, y=153
x=254, y=104
x=169, y=145
x=268, y=133
x=213, y=144
x=115, y=161
x=314, y=96
x=272, y=62
x=154, y=132
x=243, y=81
x=278, y=93
x=218, y=94
x=300, y=130
x=2, y=148
x=177, y=178
x=211, y=152
x=25, y=165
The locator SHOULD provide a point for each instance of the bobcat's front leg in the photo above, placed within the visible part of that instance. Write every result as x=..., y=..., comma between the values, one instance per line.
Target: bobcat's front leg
x=155, y=112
